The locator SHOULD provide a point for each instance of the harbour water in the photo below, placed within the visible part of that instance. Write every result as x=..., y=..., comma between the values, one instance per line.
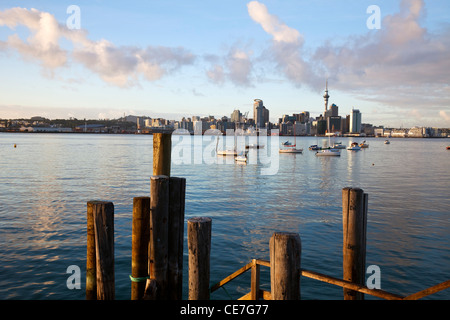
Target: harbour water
x=46, y=180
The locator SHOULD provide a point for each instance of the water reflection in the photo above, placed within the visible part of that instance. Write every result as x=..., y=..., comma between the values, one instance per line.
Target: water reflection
x=46, y=181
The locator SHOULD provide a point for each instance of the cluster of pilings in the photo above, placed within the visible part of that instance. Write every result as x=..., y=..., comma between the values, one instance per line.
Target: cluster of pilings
x=158, y=238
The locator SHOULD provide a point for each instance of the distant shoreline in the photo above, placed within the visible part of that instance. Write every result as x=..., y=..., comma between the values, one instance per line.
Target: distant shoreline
x=192, y=134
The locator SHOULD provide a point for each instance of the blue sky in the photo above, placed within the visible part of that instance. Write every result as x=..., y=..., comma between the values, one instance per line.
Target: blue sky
x=185, y=58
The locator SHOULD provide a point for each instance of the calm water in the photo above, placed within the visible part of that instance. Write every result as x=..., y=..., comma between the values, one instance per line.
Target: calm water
x=46, y=181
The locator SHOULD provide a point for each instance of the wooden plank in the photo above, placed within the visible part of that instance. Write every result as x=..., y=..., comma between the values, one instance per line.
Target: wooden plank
x=265, y=295
x=232, y=276
x=439, y=287
x=349, y=285
x=342, y=283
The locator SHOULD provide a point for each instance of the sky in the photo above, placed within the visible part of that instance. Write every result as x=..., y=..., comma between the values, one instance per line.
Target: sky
x=103, y=59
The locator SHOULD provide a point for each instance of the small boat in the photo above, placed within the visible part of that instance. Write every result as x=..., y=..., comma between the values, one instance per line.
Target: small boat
x=363, y=144
x=354, y=147
x=288, y=144
x=241, y=158
x=338, y=145
x=448, y=148
x=291, y=150
x=314, y=147
x=229, y=152
x=387, y=142
x=328, y=153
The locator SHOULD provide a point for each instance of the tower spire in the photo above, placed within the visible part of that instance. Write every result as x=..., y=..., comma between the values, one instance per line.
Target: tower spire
x=326, y=96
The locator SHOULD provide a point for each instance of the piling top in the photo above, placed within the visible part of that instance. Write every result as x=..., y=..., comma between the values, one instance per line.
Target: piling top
x=285, y=234
x=158, y=177
x=94, y=202
x=199, y=219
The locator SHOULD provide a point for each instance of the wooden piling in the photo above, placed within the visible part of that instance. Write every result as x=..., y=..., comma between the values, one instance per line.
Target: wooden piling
x=285, y=266
x=199, y=246
x=103, y=213
x=354, y=219
x=139, y=246
x=177, y=193
x=254, y=282
x=91, y=271
x=159, y=234
x=162, y=151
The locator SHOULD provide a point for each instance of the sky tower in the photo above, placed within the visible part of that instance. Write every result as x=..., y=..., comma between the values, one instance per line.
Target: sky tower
x=326, y=96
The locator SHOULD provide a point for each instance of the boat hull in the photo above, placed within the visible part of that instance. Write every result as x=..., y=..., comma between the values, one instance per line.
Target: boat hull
x=328, y=153
x=241, y=159
x=291, y=150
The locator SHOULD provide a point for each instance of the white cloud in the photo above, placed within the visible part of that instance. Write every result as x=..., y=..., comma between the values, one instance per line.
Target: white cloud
x=118, y=65
x=216, y=74
x=236, y=66
x=286, y=48
x=402, y=65
x=271, y=24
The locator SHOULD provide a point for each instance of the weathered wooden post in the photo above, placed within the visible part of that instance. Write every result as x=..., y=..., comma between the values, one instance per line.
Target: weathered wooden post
x=177, y=193
x=91, y=271
x=162, y=152
x=254, y=283
x=139, y=246
x=159, y=234
x=103, y=213
x=285, y=266
x=354, y=219
x=199, y=246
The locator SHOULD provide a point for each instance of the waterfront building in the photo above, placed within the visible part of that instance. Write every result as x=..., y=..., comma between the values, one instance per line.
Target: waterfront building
x=198, y=126
x=355, y=121
x=333, y=124
x=344, y=125
x=304, y=117
x=332, y=112
x=187, y=125
x=321, y=127
x=302, y=128
x=260, y=114
x=236, y=116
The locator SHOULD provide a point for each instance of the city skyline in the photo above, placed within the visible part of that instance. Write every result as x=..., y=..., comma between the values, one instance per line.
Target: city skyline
x=176, y=59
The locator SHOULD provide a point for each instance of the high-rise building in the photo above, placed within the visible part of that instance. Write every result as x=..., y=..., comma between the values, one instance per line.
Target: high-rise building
x=304, y=116
x=236, y=116
x=260, y=114
x=265, y=116
x=355, y=121
x=334, y=110
x=333, y=124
